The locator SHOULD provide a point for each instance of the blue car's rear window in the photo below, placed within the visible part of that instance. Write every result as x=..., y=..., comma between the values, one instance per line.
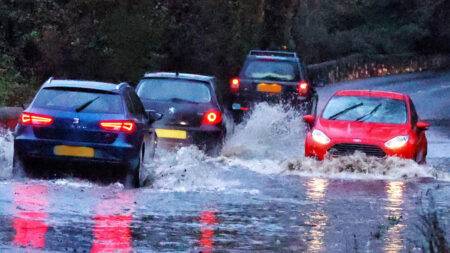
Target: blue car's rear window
x=72, y=99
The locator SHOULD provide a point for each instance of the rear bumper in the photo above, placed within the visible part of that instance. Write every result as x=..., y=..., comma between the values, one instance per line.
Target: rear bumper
x=321, y=152
x=249, y=100
x=116, y=153
x=200, y=136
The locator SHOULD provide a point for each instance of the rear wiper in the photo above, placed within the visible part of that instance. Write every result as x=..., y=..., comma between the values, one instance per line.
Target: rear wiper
x=345, y=111
x=374, y=110
x=88, y=103
x=182, y=100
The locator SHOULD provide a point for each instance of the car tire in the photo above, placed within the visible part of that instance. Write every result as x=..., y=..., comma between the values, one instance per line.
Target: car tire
x=132, y=177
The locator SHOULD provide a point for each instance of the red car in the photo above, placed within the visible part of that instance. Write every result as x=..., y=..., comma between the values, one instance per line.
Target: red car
x=376, y=123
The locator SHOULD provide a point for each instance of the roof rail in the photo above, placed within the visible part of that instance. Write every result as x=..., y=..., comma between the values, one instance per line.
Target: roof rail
x=49, y=80
x=120, y=85
x=273, y=53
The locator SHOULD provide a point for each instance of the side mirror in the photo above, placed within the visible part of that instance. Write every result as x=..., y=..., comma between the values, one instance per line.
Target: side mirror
x=423, y=125
x=309, y=119
x=154, y=116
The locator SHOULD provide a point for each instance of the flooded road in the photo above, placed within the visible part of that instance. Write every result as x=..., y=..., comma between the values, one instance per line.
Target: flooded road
x=260, y=195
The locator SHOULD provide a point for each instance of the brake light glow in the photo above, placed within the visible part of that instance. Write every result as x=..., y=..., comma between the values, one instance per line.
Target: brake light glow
x=235, y=84
x=32, y=119
x=302, y=88
x=212, y=117
x=124, y=126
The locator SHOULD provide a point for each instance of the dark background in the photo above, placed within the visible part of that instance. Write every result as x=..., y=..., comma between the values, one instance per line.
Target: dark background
x=119, y=40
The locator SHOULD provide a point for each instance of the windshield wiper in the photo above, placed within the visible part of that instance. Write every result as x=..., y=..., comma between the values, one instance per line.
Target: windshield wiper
x=85, y=105
x=345, y=111
x=374, y=110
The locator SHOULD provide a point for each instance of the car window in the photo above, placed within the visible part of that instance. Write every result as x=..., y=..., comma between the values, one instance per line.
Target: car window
x=366, y=109
x=271, y=70
x=73, y=99
x=165, y=89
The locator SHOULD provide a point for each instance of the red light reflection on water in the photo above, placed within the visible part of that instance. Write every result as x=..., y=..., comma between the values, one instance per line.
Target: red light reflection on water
x=112, y=224
x=29, y=222
x=208, y=220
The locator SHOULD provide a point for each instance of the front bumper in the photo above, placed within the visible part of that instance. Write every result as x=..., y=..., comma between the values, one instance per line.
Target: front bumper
x=337, y=147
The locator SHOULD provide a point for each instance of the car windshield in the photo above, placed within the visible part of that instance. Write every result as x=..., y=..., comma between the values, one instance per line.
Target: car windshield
x=366, y=109
x=272, y=70
x=163, y=89
x=79, y=100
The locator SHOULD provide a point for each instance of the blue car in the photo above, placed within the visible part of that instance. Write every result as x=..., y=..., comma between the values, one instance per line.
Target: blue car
x=88, y=123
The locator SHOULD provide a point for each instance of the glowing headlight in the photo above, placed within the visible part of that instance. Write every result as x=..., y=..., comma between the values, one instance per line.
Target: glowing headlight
x=319, y=137
x=397, y=142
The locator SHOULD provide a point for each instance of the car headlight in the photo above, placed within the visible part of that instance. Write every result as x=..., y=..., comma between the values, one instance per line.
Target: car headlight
x=397, y=142
x=319, y=137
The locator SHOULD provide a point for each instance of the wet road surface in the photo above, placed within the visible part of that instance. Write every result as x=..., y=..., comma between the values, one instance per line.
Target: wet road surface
x=260, y=195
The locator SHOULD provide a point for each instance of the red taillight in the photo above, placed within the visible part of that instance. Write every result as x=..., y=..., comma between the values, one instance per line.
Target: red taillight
x=235, y=84
x=125, y=126
x=302, y=88
x=212, y=117
x=32, y=119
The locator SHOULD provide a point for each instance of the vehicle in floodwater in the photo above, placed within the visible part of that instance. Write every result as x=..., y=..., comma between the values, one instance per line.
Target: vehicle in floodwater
x=84, y=122
x=191, y=107
x=272, y=77
x=377, y=123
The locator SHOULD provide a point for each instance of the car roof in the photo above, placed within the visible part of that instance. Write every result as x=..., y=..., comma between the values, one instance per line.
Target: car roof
x=186, y=76
x=274, y=55
x=372, y=93
x=100, y=86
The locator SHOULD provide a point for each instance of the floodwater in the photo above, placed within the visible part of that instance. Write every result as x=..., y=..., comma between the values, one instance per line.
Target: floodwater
x=259, y=195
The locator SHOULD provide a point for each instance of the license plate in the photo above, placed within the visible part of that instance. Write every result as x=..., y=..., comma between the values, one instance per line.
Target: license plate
x=74, y=151
x=171, y=134
x=270, y=88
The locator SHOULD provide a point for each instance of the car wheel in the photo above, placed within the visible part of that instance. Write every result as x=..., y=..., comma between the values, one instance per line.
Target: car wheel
x=133, y=175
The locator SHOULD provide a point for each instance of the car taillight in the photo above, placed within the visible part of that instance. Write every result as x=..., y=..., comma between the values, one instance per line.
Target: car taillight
x=302, y=88
x=235, y=84
x=32, y=119
x=124, y=126
x=212, y=117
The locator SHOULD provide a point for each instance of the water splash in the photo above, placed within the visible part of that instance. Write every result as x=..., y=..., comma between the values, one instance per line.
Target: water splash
x=6, y=153
x=271, y=132
x=362, y=167
x=188, y=169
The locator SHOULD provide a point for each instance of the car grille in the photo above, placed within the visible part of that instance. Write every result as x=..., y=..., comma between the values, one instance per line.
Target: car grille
x=349, y=149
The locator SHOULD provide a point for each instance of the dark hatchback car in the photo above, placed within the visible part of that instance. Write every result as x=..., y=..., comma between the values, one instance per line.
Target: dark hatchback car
x=84, y=122
x=274, y=77
x=192, y=112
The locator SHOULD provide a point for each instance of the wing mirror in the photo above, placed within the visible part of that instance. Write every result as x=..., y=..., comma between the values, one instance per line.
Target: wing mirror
x=153, y=115
x=423, y=125
x=309, y=119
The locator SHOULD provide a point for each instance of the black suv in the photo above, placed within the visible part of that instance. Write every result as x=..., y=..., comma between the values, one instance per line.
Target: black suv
x=274, y=77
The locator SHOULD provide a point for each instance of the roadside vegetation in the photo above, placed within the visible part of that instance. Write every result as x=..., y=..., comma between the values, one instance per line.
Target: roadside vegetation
x=118, y=40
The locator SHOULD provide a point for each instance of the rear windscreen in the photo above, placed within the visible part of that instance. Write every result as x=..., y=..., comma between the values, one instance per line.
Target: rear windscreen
x=79, y=100
x=174, y=90
x=271, y=70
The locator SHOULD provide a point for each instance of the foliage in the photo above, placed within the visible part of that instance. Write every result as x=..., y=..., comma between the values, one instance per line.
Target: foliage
x=117, y=40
